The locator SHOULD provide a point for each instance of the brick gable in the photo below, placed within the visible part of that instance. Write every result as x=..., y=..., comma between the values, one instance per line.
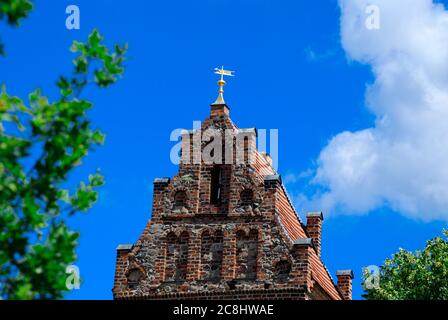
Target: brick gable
x=223, y=231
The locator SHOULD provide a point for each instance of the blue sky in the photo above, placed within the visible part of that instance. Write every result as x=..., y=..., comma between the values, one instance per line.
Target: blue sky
x=292, y=75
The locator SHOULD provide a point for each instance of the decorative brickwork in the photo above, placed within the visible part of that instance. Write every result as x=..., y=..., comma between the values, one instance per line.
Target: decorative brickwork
x=211, y=255
x=225, y=231
x=314, y=228
x=345, y=283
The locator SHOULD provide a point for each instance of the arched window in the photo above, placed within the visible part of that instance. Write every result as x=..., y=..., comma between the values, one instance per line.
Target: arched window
x=134, y=276
x=282, y=270
x=170, y=267
x=216, y=185
x=176, y=258
x=246, y=149
x=180, y=200
x=247, y=197
x=211, y=255
x=253, y=253
x=246, y=254
x=182, y=261
x=206, y=241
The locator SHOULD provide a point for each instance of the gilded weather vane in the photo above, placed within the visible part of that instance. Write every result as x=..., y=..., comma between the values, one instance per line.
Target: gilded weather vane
x=221, y=83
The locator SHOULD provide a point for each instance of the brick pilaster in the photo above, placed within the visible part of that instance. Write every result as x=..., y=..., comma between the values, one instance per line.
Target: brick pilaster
x=314, y=229
x=301, y=269
x=229, y=256
x=120, y=281
x=160, y=187
x=194, y=257
x=345, y=283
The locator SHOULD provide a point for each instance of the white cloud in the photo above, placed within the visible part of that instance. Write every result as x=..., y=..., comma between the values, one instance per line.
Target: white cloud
x=402, y=161
x=292, y=178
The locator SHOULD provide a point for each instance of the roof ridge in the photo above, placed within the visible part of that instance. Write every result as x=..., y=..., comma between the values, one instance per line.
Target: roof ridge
x=291, y=204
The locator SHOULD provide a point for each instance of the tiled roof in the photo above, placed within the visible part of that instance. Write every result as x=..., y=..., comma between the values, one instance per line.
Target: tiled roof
x=321, y=276
x=291, y=223
x=288, y=216
x=262, y=166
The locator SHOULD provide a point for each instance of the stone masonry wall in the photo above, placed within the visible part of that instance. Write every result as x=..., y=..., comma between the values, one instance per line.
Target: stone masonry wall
x=232, y=249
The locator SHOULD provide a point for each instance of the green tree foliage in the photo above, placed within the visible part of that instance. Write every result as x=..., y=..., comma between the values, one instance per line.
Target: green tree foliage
x=422, y=275
x=13, y=11
x=41, y=143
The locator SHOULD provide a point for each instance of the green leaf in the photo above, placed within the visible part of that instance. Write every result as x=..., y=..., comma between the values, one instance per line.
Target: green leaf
x=35, y=243
x=419, y=275
x=65, y=87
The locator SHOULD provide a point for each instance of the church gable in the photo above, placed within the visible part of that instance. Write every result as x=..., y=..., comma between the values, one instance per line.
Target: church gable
x=224, y=228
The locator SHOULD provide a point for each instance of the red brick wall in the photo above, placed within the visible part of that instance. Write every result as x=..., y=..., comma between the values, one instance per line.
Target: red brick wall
x=220, y=251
